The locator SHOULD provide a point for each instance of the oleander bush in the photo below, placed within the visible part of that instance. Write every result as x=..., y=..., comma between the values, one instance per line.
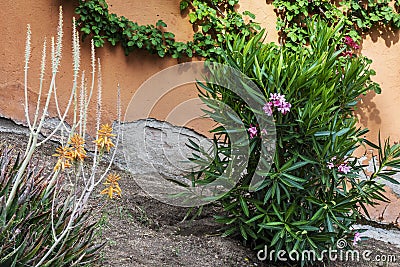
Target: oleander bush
x=316, y=188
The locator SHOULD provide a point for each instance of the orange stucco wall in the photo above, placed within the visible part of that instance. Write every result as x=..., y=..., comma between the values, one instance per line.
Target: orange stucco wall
x=377, y=112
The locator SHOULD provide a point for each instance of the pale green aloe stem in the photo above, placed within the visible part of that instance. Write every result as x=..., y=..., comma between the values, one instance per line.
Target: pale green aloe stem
x=73, y=96
x=41, y=79
x=76, y=63
x=27, y=57
x=21, y=170
x=28, y=145
x=53, y=229
x=78, y=208
x=80, y=200
x=52, y=182
x=93, y=174
x=26, y=67
x=80, y=203
x=46, y=107
x=33, y=136
x=63, y=234
x=61, y=117
x=98, y=119
x=81, y=105
x=34, y=133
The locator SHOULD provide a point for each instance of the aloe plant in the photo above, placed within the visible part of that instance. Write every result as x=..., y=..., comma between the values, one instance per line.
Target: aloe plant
x=26, y=231
x=43, y=224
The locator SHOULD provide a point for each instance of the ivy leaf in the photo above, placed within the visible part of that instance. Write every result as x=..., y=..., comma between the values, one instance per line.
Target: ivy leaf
x=293, y=36
x=161, y=23
x=248, y=13
x=169, y=35
x=85, y=30
x=374, y=17
x=161, y=53
x=183, y=5
x=112, y=41
x=192, y=17
x=206, y=27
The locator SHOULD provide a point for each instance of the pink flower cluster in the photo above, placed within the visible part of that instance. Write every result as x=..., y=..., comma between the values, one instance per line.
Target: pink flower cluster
x=343, y=167
x=254, y=132
x=357, y=238
x=330, y=165
x=350, y=42
x=278, y=101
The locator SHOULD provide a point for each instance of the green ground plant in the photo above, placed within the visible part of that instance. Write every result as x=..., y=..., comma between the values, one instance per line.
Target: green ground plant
x=26, y=228
x=316, y=188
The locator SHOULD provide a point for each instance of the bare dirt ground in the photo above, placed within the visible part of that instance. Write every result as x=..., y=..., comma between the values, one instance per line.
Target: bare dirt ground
x=141, y=231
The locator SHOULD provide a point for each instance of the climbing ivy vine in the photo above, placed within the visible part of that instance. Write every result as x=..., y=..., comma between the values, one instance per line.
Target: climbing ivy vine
x=216, y=20
x=359, y=17
x=214, y=24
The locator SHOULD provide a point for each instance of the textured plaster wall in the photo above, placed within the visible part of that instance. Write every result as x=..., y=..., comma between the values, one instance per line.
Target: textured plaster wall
x=129, y=71
x=377, y=112
x=380, y=112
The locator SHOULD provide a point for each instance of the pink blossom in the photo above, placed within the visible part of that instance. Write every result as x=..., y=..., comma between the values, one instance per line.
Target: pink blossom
x=278, y=101
x=284, y=107
x=344, y=168
x=357, y=238
x=277, y=97
x=330, y=165
x=253, y=131
x=268, y=108
x=350, y=42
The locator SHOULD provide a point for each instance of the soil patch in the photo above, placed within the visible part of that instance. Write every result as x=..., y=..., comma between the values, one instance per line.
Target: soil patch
x=141, y=231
